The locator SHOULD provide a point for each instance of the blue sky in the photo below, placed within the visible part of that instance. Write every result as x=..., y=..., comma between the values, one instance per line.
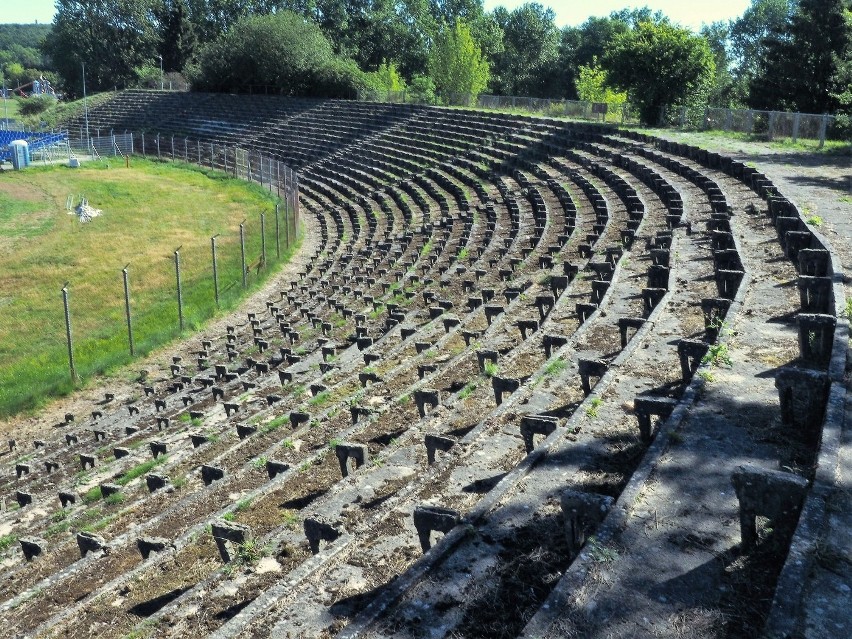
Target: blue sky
x=568, y=12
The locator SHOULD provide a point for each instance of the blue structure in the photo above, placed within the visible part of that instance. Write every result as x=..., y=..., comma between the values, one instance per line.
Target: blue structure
x=36, y=141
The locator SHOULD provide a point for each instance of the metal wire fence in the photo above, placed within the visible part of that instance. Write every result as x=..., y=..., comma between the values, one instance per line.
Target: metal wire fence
x=767, y=125
x=105, y=317
x=617, y=112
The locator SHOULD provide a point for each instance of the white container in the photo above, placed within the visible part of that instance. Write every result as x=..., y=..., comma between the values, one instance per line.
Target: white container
x=20, y=154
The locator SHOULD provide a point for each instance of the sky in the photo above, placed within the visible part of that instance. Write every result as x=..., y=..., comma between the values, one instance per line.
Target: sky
x=568, y=12
x=686, y=13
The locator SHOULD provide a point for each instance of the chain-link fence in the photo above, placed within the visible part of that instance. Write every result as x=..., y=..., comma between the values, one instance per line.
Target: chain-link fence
x=613, y=112
x=168, y=287
x=765, y=125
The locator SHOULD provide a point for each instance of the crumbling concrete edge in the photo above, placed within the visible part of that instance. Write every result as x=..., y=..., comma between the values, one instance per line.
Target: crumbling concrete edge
x=445, y=545
x=786, y=616
x=575, y=575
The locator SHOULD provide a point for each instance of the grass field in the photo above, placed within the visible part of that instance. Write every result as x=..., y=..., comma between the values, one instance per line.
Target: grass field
x=149, y=210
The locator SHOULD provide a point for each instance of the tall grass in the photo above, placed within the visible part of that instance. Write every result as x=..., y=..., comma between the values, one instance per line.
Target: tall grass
x=148, y=211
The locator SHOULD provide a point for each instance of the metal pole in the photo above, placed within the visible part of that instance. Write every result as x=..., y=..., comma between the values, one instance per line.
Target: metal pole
x=85, y=105
x=263, y=239
x=823, y=129
x=215, y=270
x=127, y=309
x=179, y=291
x=5, y=104
x=277, y=232
x=287, y=213
x=243, y=251
x=74, y=378
x=161, y=72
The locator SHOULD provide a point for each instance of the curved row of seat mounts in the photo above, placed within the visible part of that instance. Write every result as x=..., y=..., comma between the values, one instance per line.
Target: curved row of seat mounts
x=493, y=327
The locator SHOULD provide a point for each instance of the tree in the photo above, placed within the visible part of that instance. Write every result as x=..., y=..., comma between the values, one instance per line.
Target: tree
x=802, y=63
x=531, y=50
x=177, y=36
x=581, y=46
x=592, y=85
x=212, y=18
x=281, y=50
x=660, y=65
x=386, y=79
x=748, y=36
x=723, y=89
x=111, y=37
x=456, y=63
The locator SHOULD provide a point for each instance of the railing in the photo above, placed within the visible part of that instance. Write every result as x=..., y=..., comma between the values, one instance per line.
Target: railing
x=246, y=164
x=199, y=277
x=772, y=124
x=575, y=109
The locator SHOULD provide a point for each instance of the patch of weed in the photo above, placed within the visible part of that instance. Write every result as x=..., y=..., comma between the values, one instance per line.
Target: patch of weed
x=717, y=355
x=592, y=408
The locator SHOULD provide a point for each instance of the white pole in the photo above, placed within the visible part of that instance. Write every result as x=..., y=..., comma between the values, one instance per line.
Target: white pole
x=161, y=73
x=85, y=104
x=5, y=104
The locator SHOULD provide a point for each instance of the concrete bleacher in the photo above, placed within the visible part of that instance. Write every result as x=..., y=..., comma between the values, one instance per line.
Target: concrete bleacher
x=492, y=352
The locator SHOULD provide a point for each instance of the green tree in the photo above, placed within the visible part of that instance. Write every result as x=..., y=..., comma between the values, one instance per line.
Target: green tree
x=747, y=40
x=660, y=65
x=592, y=85
x=177, y=36
x=111, y=37
x=280, y=50
x=422, y=89
x=212, y=18
x=386, y=79
x=456, y=63
x=722, y=92
x=531, y=50
x=580, y=46
x=802, y=64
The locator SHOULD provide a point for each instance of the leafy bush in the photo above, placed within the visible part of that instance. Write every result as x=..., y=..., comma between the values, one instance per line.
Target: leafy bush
x=36, y=104
x=279, y=50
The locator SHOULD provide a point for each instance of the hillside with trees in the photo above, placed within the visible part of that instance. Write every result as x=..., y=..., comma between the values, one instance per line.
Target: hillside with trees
x=780, y=54
x=21, y=57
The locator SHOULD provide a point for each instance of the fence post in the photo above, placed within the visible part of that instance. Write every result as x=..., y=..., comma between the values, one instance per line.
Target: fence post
x=158, y=146
x=173, y=148
x=243, y=251
x=132, y=150
x=295, y=203
x=127, y=309
x=770, y=131
x=823, y=129
x=179, y=291
x=263, y=239
x=215, y=270
x=186, y=150
x=277, y=231
x=74, y=378
x=797, y=118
